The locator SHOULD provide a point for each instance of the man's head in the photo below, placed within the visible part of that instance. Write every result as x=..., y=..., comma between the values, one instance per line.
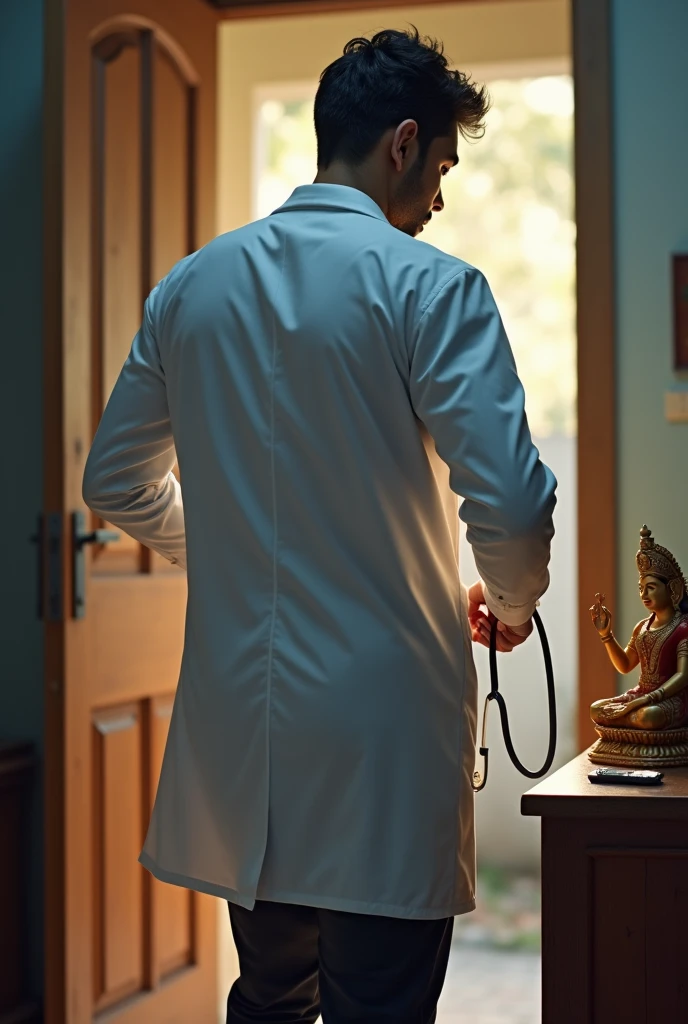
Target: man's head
x=388, y=114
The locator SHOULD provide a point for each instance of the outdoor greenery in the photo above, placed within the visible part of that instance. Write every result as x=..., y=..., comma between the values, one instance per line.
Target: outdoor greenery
x=507, y=914
x=508, y=211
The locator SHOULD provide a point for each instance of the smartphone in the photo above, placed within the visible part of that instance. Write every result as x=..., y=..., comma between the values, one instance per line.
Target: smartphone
x=626, y=777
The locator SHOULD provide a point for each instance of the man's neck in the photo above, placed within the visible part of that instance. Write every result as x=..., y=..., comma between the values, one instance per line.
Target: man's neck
x=362, y=178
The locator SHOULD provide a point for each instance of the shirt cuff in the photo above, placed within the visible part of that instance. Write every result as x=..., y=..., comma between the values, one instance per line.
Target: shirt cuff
x=509, y=614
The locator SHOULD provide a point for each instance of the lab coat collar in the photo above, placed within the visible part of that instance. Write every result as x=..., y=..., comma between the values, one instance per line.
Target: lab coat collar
x=336, y=198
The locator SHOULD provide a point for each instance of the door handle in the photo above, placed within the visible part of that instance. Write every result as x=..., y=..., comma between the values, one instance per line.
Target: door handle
x=80, y=538
x=97, y=537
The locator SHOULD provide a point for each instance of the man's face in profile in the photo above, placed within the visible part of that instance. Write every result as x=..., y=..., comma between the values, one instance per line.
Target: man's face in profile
x=419, y=191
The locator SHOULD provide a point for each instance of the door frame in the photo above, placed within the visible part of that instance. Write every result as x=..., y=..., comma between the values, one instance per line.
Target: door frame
x=55, y=979
x=596, y=459
x=241, y=9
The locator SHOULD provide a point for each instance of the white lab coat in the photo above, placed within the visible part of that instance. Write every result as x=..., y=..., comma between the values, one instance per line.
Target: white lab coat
x=322, y=741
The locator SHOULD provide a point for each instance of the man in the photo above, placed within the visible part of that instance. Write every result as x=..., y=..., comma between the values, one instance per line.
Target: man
x=329, y=386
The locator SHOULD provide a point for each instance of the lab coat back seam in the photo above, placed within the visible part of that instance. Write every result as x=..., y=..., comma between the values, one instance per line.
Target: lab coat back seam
x=275, y=586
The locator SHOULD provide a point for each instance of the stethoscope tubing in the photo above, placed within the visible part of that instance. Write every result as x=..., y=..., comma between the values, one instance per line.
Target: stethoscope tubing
x=479, y=780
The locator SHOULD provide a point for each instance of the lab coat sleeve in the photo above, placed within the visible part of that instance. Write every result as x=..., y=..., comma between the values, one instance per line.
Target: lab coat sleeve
x=128, y=479
x=465, y=389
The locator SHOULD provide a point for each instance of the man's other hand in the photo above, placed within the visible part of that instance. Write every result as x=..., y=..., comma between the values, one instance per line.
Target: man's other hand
x=481, y=618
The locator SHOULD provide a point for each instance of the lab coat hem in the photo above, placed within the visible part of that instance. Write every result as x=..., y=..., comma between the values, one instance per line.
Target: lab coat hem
x=363, y=907
x=197, y=884
x=304, y=899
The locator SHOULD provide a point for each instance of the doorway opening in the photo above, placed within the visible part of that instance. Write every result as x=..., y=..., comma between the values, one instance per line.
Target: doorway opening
x=508, y=211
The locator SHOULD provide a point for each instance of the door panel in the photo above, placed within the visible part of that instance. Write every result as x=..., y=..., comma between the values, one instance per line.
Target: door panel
x=117, y=205
x=173, y=199
x=136, y=196
x=117, y=218
x=118, y=806
x=156, y=633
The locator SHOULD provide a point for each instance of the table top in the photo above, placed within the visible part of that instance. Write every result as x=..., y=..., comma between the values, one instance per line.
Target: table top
x=568, y=793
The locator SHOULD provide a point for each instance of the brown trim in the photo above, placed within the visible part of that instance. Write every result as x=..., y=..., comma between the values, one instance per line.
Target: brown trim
x=191, y=168
x=151, y=969
x=53, y=499
x=230, y=9
x=596, y=342
x=147, y=45
x=128, y=23
x=97, y=233
x=679, y=274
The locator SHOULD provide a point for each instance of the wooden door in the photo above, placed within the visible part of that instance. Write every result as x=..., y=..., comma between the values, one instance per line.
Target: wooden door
x=130, y=109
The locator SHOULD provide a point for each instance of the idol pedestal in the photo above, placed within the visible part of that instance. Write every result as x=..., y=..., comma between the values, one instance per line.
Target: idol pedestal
x=614, y=898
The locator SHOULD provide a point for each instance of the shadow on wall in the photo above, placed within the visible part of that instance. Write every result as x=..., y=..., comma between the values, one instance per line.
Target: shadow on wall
x=504, y=837
x=21, y=412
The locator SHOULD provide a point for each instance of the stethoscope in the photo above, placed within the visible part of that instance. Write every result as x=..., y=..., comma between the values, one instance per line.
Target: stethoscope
x=494, y=694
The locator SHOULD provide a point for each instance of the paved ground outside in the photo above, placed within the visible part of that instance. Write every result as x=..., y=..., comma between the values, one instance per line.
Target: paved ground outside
x=494, y=966
x=490, y=986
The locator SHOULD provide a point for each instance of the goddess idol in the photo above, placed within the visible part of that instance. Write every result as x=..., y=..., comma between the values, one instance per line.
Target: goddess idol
x=644, y=725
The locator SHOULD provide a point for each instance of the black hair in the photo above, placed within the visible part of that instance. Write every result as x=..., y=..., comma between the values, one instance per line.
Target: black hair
x=377, y=83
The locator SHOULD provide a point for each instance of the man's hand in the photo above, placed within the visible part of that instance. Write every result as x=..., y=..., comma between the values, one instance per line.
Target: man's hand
x=481, y=619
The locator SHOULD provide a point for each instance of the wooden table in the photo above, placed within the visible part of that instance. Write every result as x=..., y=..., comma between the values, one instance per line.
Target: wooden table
x=614, y=898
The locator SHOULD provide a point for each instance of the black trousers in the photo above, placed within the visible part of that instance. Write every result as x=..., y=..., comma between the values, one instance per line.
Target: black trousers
x=298, y=962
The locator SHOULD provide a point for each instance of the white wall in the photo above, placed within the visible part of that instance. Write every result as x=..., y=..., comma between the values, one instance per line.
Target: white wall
x=504, y=836
x=650, y=88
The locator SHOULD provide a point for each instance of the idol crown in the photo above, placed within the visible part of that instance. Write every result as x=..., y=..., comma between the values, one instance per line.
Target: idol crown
x=654, y=560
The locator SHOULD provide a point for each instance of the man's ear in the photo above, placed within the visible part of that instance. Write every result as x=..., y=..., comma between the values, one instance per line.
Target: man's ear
x=404, y=133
